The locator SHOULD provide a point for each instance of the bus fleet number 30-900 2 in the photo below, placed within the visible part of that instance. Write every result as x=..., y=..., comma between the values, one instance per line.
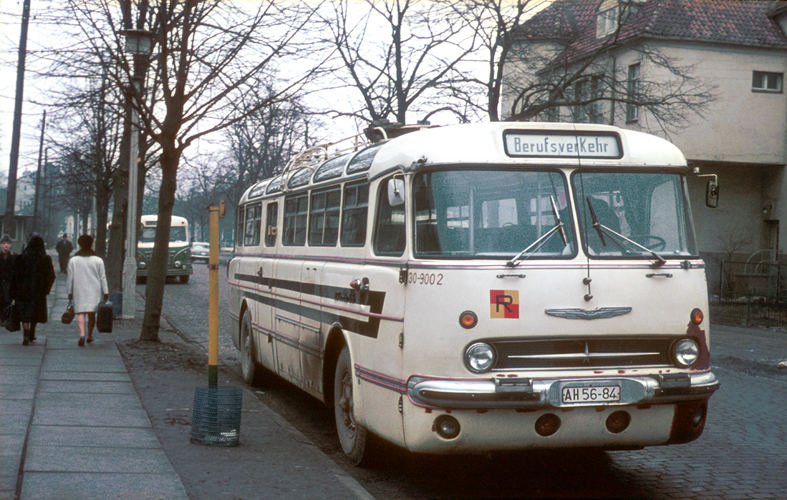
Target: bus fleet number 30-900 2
x=590, y=394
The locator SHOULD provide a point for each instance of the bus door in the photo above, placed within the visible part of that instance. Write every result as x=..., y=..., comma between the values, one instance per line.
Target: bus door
x=381, y=332
x=264, y=279
x=287, y=288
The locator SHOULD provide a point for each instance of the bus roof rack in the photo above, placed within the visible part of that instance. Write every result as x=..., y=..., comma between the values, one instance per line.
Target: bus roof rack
x=378, y=131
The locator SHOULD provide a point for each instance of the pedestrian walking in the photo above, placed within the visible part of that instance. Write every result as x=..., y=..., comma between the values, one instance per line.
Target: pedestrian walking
x=86, y=285
x=33, y=279
x=64, y=248
x=7, y=259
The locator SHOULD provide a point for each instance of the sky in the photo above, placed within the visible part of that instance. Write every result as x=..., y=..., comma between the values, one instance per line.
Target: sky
x=10, y=26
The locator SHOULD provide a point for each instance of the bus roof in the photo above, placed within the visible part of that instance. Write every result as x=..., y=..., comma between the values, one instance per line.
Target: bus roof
x=500, y=143
x=152, y=219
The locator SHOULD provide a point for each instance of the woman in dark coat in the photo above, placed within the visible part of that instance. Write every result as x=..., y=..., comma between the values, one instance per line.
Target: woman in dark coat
x=33, y=279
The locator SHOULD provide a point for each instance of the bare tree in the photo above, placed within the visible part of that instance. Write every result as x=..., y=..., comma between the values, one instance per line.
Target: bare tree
x=494, y=23
x=397, y=54
x=557, y=67
x=205, y=57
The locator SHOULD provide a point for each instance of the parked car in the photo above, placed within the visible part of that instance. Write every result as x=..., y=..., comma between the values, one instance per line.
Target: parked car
x=200, y=251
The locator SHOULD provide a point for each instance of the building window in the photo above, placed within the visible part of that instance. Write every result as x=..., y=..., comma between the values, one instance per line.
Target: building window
x=581, y=93
x=606, y=22
x=596, y=107
x=632, y=94
x=763, y=81
x=588, y=93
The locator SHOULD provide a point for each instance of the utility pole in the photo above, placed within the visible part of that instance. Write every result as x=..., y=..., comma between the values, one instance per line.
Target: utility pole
x=38, y=175
x=10, y=199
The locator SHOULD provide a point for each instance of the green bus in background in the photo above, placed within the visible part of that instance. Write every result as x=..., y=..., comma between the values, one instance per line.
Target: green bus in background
x=179, y=261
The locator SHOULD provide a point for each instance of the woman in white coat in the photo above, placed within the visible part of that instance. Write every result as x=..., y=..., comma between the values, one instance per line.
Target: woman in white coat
x=86, y=285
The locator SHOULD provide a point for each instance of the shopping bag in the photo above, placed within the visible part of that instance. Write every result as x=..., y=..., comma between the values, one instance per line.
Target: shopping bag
x=104, y=317
x=68, y=315
x=11, y=321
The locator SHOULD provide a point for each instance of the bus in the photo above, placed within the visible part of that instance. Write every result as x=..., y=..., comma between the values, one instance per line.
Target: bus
x=179, y=260
x=481, y=287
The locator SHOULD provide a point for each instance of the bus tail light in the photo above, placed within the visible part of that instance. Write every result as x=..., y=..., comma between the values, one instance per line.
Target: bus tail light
x=547, y=424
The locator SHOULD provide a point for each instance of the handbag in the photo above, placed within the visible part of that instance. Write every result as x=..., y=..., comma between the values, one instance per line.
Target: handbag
x=104, y=317
x=11, y=321
x=68, y=315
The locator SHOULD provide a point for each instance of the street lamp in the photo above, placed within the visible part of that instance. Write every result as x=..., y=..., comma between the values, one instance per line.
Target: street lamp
x=138, y=44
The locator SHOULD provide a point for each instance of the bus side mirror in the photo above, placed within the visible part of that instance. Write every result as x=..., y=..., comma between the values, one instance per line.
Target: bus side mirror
x=712, y=193
x=396, y=192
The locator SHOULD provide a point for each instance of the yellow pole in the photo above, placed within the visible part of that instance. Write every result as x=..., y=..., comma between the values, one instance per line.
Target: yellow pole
x=213, y=307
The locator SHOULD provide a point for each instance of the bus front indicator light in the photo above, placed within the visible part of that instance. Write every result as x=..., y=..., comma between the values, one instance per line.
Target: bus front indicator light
x=479, y=357
x=685, y=352
x=697, y=316
x=468, y=319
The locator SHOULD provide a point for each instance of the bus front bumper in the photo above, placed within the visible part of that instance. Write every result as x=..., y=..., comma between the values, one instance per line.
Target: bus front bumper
x=534, y=394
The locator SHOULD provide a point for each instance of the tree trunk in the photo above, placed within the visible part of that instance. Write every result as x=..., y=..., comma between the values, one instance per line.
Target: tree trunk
x=116, y=253
x=102, y=211
x=157, y=272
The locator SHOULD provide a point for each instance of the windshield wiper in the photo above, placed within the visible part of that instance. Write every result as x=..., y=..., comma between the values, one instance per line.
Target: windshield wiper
x=558, y=228
x=600, y=228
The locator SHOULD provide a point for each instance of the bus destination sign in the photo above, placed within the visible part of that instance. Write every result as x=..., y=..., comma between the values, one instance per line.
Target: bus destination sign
x=562, y=145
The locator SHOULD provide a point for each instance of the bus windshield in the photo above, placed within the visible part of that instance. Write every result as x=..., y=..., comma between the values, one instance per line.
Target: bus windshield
x=491, y=214
x=148, y=234
x=634, y=214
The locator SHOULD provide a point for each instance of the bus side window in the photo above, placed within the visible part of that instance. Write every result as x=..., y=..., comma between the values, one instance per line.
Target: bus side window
x=295, y=211
x=389, y=229
x=324, y=217
x=251, y=235
x=354, y=210
x=239, y=225
x=270, y=223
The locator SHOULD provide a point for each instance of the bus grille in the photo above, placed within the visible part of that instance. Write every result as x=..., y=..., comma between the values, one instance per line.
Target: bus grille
x=597, y=352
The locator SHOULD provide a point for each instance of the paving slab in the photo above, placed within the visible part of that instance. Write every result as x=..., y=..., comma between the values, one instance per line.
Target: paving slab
x=96, y=459
x=17, y=388
x=86, y=386
x=113, y=437
x=86, y=375
x=98, y=486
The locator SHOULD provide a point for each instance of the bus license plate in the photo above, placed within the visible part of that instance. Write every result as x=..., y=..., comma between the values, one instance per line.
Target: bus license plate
x=590, y=394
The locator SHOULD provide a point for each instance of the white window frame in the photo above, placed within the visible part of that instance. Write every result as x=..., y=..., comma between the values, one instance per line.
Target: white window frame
x=606, y=21
x=632, y=91
x=766, y=78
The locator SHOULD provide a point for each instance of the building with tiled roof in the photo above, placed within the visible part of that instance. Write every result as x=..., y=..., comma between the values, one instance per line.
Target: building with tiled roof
x=734, y=50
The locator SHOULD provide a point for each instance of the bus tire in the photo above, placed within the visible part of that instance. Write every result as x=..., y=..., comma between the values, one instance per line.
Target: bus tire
x=352, y=435
x=184, y=278
x=249, y=368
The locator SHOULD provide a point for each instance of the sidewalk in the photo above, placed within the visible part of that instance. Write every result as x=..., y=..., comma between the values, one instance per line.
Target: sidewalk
x=72, y=425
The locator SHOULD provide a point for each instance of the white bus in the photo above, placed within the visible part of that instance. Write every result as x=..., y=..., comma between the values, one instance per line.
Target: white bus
x=179, y=259
x=482, y=287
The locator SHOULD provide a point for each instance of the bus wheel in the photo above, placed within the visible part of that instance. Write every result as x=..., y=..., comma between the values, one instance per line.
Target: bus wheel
x=352, y=435
x=248, y=365
x=184, y=278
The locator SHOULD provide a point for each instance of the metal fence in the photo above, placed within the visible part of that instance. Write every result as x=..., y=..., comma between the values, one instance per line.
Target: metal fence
x=751, y=293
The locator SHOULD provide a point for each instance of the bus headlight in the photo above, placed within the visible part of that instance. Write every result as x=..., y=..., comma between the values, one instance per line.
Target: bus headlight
x=479, y=357
x=685, y=352
x=177, y=264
